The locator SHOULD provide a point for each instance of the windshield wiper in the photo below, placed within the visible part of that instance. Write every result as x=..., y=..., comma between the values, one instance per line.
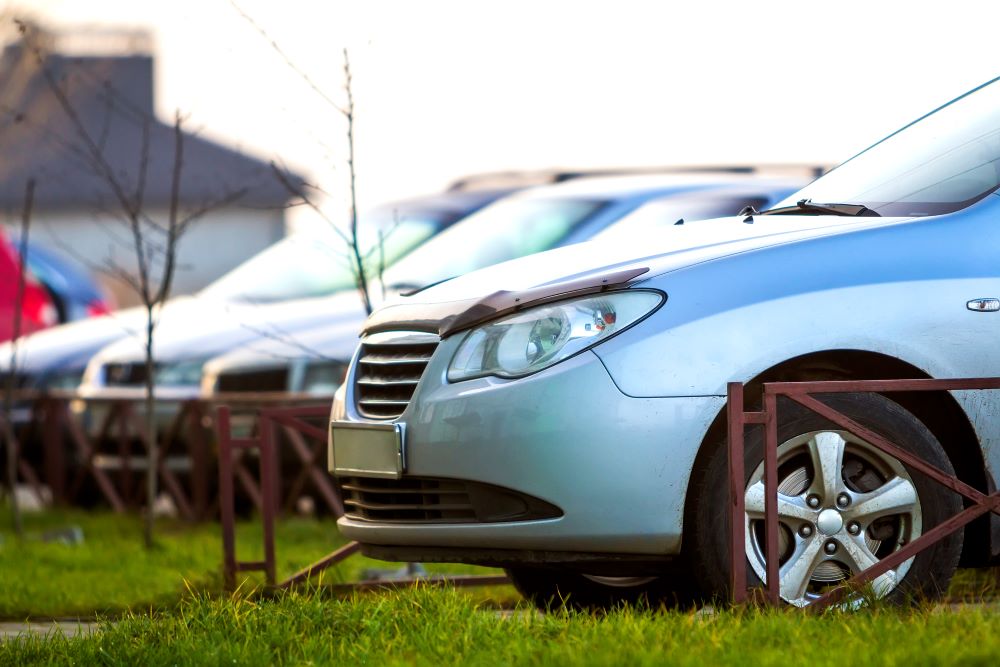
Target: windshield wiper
x=809, y=206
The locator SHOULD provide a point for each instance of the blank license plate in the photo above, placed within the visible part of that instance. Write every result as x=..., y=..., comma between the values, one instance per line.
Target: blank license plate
x=367, y=450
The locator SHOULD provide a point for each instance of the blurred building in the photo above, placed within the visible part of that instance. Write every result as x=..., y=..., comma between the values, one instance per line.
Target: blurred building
x=108, y=88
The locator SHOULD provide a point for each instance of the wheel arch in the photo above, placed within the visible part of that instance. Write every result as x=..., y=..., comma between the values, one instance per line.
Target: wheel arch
x=938, y=410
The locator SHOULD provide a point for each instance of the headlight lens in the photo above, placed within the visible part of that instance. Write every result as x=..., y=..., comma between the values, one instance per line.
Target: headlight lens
x=537, y=338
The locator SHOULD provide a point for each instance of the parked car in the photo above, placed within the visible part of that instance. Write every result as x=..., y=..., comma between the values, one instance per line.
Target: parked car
x=37, y=310
x=301, y=267
x=562, y=415
x=75, y=293
x=315, y=361
x=523, y=223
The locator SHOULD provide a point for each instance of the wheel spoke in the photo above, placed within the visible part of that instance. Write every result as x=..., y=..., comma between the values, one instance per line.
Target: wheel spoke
x=789, y=507
x=797, y=570
x=827, y=452
x=897, y=496
x=859, y=557
x=856, y=553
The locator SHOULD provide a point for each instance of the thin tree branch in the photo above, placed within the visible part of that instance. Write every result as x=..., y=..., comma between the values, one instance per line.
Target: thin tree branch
x=172, y=231
x=296, y=192
x=288, y=61
x=360, y=274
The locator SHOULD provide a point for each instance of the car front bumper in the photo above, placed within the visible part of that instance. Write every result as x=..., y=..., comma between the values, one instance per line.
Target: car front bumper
x=616, y=466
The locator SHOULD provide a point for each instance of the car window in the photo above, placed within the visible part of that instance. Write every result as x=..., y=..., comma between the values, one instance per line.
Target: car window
x=505, y=230
x=656, y=215
x=942, y=163
x=316, y=263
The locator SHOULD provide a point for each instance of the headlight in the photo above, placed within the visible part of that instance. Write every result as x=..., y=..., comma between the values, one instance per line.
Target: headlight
x=185, y=373
x=539, y=337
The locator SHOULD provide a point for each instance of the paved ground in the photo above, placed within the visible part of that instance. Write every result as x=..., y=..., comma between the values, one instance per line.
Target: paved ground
x=69, y=628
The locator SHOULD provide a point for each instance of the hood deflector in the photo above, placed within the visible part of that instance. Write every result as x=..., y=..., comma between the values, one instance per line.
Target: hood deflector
x=451, y=317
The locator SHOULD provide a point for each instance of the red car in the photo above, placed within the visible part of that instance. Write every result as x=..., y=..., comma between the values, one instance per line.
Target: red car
x=37, y=309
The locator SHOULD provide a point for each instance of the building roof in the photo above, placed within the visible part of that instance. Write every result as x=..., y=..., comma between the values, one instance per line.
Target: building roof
x=113, y=98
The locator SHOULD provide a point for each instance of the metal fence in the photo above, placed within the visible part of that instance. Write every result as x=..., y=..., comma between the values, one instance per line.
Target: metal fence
x=308, y=441
x=87, y=450
x=803, y=393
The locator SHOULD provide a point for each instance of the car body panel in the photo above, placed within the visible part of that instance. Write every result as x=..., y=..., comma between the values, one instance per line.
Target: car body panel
x=469, y=431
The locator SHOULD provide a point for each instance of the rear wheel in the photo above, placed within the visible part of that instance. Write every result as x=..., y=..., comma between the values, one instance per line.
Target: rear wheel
x=843, y=505
x=552, y=588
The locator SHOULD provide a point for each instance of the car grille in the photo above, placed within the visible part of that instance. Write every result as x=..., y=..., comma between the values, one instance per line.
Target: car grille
x=275, y=379
x=437, y=500
x=388, y=370
x=20, y=380
x=125, y=374
x=410, y=500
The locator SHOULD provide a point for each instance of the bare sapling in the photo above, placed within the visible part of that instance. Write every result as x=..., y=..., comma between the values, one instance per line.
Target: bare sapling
x=153, y=241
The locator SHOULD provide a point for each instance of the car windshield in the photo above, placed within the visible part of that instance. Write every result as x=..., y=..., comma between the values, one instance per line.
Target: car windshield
x=942, y=163
x=315, y=263
x=506, y=230
x=653, y=217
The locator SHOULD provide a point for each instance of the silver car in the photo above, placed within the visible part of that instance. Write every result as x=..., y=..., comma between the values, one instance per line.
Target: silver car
x=562, y=416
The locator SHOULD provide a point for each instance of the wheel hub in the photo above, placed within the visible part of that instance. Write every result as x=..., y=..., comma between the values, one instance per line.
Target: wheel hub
x=832, y=489
x=830, y=522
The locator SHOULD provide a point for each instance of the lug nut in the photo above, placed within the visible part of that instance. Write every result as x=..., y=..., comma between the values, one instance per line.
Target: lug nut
x=843, y=500
x=806, y=530
x=830, y=547
x=813, y=501
x=854, y=528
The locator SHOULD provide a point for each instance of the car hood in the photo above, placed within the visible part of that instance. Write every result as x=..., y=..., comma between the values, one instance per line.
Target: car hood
x=330, y=342
x=466, y=300
x=201, y=335
x=67, y=348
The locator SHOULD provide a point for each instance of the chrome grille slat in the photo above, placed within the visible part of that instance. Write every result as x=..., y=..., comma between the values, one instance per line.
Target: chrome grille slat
x=392, y=361
x=378, y=382
x=400, y=490
x=412, y=500
x=388, y=370
x=404, y=506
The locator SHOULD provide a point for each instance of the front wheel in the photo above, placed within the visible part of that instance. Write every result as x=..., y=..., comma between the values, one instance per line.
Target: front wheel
x=843, y=505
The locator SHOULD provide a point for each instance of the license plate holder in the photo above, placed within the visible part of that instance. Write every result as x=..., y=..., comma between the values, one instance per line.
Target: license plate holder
x=367, y=450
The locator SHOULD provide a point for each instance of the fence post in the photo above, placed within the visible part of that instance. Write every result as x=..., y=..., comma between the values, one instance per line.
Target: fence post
x=226, y=509
x=737, y=538
x=269, y=489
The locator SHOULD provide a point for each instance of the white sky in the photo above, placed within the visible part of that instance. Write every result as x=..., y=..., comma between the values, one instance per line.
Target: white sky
x=448, y=88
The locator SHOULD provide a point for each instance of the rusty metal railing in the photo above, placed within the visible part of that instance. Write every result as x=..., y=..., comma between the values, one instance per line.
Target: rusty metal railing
x=295, y=424
x=802, y=393
x=65, y=440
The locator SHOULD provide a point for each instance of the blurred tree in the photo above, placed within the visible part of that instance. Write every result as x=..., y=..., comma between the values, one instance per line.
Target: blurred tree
x=153, y=241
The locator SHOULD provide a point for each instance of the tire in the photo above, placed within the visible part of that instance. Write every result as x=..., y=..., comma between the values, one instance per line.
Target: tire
x=555, y=588
x=806, y=441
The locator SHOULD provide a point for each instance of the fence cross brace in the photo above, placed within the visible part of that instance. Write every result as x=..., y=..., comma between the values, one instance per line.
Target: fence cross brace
x=801, y=392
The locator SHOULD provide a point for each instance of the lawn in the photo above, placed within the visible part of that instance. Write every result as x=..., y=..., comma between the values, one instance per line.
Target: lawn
x=426, y=626
x=167, y=607
x=111, y=572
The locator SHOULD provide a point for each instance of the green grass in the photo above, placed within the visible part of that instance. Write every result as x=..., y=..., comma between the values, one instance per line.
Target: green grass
x=444, y=627
x=111, y=572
